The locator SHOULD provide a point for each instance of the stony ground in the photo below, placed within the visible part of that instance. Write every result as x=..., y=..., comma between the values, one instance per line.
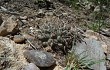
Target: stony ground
x=37, y=37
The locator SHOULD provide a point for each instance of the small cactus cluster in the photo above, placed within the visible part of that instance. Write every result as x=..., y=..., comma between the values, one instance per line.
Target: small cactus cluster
x=58, y=37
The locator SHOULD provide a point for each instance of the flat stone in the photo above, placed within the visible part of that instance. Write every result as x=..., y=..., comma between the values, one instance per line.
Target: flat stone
x=94, y=49
x=59, y=68
x=9, y=26
x=39, y=58
x=105, y=41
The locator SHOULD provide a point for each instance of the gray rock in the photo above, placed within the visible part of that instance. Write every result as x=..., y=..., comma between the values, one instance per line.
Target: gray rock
x=100, y=38
x=93, y=49
x=39, y=58
x=31, y=66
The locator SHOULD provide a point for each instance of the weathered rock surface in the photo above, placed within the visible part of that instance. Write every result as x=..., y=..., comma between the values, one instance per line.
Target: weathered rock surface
x=31, y=66
x=8, y=26
x=105, y=41
x=13, y=54
x=93, y=49
x=40, y=58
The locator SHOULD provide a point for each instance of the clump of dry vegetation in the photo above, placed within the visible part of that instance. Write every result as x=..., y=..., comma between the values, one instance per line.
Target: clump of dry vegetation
x=59, y=38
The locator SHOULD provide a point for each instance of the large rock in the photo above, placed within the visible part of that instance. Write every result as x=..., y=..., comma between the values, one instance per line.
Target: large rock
x=108, y=65
x=93, y=49
x=9, y=26
x=11, y=55
x=31, y=66
x=40, y=58
x=105, y=41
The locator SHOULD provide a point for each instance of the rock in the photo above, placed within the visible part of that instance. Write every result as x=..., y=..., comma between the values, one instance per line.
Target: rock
x=3, y=31
x=58, y=68
x=13, y=54
x=31, y=66
x=39, y=58
x=23, y=17
x=105, y=41
x=94, y=51
x=9, y=26
x=18, y=39
x=93, y=48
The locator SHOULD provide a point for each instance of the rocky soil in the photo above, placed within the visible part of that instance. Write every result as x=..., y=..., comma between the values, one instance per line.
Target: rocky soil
x=38, y=36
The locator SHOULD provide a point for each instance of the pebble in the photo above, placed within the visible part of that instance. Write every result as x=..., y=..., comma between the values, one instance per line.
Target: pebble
x=18, y=39
x=23, y=17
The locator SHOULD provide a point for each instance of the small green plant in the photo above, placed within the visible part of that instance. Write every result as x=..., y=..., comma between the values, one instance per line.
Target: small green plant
x=71, y=3
x=95, y=26
x=75, y=62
